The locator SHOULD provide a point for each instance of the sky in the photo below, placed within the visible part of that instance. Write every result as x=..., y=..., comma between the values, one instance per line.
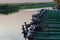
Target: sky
x=23, y=1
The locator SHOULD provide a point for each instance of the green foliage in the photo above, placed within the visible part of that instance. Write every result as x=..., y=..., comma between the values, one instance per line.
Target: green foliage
x=6, y=9
x=10, y=8
x=36, y=5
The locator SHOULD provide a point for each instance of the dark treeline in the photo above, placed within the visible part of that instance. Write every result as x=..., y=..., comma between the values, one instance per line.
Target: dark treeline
x=10, y=8
x=6, y=8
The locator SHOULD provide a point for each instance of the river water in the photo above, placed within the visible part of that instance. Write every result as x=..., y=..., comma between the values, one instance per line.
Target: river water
x=10, y=25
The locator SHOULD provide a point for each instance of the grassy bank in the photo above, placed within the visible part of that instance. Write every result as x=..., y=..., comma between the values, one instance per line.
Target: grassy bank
x=10, y=8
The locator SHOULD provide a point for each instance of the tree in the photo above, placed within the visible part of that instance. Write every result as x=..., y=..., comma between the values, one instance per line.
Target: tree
x=57, y=2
